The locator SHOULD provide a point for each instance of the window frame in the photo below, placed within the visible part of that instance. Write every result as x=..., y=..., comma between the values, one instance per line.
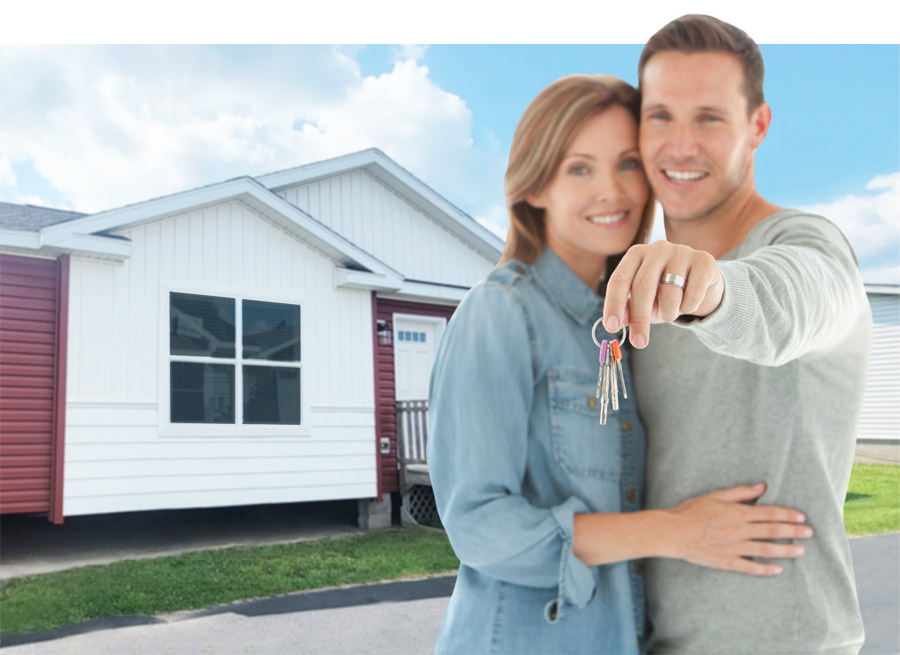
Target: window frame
x=238, y=429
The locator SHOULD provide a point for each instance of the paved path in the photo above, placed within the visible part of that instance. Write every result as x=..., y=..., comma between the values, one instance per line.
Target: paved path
x=396, y=618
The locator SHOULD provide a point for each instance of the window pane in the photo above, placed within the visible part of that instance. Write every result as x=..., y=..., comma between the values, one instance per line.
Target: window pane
x=422, y=337
x=271, y=331
x=202, y=393
x=272, y=395
x=201, y=325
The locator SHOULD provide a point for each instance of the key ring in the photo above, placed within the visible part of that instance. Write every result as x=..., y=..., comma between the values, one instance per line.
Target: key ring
x=594, y=330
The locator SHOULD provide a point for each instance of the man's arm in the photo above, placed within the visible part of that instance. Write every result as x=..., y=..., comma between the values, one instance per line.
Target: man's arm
x=799, y=291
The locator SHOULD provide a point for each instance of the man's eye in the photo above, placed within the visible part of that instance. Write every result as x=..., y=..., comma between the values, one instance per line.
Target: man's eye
x=710, y=119
x=658, y=116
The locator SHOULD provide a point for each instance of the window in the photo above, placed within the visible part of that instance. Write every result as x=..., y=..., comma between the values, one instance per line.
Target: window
x=233, y=361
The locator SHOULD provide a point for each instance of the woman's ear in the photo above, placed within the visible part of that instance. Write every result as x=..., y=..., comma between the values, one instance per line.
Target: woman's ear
x=535, y=200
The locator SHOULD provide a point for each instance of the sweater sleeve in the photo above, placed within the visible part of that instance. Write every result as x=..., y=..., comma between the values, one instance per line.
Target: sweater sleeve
x=482, y=389
x=798, y=290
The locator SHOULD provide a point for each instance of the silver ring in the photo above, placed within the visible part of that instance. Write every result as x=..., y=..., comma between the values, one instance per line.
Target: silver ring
x=671, y=278
x=594, y=330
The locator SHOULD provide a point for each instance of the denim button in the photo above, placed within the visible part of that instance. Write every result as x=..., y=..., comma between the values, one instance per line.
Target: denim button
x=626, y=426
x=629, y=495
x=592, y=401
x=551, y=610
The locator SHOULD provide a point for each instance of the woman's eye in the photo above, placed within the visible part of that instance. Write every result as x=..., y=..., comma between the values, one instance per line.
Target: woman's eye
x=629, y=164
x=578, y=170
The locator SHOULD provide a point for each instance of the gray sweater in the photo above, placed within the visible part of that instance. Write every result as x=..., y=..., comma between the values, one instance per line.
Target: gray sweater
x=767, y=388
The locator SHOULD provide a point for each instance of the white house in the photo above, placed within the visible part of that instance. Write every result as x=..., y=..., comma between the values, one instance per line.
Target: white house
x=241, y=343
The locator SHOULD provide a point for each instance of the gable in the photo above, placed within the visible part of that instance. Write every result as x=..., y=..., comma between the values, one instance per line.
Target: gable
x=378, y=220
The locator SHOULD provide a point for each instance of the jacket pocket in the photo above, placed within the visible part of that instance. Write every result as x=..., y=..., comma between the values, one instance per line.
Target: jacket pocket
x=580, y=444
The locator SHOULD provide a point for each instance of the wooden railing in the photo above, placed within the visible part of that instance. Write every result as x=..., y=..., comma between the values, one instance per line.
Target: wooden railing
x=412, y=431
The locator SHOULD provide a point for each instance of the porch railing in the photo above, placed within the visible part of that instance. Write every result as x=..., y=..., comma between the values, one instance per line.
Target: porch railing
x=412, y=431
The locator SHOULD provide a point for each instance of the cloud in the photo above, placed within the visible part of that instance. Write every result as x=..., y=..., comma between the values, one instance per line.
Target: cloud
x=872, y=225
x=110, y=126
x=7, y=174
x=496, y=220
x=404, y=52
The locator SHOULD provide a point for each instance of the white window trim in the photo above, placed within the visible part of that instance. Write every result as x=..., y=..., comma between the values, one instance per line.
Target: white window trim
x=228, y=430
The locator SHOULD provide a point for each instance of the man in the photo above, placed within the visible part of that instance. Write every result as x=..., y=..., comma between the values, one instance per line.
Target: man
x=760, y=375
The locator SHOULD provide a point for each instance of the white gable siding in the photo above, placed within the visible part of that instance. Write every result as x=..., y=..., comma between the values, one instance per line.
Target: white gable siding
x=880, y=418
x=117, y=459
x=379, y=221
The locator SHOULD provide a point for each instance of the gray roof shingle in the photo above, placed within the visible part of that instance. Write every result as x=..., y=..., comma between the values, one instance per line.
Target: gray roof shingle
x=31, y=218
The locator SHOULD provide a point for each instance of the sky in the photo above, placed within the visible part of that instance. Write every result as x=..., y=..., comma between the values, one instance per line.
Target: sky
x=94, y=127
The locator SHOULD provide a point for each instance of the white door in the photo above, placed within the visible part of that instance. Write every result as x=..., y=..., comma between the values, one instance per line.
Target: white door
x=415, y=346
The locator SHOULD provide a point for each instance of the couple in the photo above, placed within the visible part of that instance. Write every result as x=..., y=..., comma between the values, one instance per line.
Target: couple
x=756, y=381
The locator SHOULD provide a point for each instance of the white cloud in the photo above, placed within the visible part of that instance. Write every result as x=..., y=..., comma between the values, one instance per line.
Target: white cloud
x=7, y=174
x=872, y=225
x=496, y=220
x=109, y=126
x=404, y=52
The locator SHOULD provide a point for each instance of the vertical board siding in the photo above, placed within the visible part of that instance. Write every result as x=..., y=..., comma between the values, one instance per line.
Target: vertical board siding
x=28, y=329
x=382, y=223
x=117, y=345
x=880, y=417
x=386, y=394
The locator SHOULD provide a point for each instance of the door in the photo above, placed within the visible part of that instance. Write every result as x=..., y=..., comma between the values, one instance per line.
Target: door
x=415, y=347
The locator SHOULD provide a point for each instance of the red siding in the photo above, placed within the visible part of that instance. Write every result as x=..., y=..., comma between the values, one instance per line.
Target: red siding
x=30, y=440
x=385, y=392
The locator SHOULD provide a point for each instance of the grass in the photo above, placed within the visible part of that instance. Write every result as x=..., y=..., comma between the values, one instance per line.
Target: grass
x=873, y=500
x=203, y=579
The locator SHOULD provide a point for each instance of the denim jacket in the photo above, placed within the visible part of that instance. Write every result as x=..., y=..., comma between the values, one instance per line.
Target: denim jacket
x=515, y=450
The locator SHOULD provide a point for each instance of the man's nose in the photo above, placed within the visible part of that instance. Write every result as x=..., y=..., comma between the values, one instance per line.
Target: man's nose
x=682, y=139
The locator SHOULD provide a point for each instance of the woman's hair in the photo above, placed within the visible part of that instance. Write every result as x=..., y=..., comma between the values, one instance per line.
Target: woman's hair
x=542, y=138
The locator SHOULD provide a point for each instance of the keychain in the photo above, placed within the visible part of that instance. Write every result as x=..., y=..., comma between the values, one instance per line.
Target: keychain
x=610, y=369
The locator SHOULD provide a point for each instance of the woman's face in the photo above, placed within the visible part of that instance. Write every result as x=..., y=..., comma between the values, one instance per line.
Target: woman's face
x=595, y=202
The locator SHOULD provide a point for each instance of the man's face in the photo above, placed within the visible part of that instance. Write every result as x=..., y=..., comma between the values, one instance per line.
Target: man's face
x=696, y=139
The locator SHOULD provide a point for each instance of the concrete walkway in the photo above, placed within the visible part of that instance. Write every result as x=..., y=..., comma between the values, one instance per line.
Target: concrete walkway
x=399, y=617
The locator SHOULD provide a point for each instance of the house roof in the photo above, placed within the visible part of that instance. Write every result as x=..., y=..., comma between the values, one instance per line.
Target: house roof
x=401, y=181
x=31, y=218
x=30, y=229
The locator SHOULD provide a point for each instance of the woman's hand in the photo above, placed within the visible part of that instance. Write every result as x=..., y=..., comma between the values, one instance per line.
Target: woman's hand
x=718, y=530
x=636, y=296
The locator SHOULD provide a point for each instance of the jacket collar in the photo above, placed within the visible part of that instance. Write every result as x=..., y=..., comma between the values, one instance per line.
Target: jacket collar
x=566, y=288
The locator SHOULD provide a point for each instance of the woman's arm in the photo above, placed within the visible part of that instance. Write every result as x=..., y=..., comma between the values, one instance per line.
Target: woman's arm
x=716, y=530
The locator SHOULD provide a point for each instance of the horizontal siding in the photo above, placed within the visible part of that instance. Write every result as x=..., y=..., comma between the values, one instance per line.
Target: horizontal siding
x=28, y=308
x=381, y=222
x=880, y=417
x=218, y=498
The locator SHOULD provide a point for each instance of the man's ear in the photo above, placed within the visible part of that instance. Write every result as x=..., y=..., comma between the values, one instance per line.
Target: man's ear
x=535, y=200
x=760, y=121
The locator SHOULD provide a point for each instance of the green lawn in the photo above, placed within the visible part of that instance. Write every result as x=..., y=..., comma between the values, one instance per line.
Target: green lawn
x=213, y=577
x=873, y=500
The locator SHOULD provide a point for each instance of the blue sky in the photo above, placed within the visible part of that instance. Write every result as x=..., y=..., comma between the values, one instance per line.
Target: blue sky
x=95, y=127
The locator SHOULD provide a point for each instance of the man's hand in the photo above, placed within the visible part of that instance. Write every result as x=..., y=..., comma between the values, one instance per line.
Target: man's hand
x=636, y=297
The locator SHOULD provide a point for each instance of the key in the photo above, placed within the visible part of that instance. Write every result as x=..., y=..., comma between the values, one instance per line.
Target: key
x=604, y=396
x=603, y=349
x=615, y=384
x=617, y=357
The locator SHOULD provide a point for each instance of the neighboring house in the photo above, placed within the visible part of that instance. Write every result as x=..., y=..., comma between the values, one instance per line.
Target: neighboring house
x=241, y=343
x=879, y=425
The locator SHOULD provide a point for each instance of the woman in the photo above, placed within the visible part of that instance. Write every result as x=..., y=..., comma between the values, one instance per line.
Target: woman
x=539, y=500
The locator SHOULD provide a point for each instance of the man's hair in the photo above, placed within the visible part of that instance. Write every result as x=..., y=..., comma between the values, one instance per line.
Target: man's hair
x=540, y=142
x=700, y=33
